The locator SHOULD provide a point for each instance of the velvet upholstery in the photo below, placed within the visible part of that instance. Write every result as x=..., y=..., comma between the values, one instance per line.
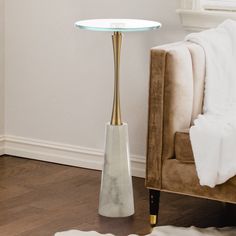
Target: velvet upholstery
x=178, y=96
x=198, y=67
x=183, y=148
x=176, y=90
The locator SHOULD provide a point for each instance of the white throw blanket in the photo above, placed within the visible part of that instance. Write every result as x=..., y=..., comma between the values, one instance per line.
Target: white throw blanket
x=213, y=135
x=164, y=231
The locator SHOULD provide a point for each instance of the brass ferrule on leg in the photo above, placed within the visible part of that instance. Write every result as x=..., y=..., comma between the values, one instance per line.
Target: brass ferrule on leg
x=116, y=113
x=153, y=220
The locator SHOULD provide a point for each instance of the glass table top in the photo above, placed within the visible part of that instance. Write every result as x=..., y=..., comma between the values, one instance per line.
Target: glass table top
x=118, y=25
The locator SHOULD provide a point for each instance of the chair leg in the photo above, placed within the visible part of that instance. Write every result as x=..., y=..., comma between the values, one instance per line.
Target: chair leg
x=154, y=199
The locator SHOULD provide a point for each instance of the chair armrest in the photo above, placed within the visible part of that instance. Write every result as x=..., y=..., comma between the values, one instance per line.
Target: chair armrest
x=155, y=118
x=170, y=104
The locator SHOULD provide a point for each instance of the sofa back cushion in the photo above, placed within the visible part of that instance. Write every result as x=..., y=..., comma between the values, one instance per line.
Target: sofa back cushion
x=178, y=94
x=198, y=68
x=180, y=89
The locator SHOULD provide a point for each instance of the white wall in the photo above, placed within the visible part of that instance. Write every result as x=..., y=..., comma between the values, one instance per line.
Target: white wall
x=1, y=67
x=59, y=80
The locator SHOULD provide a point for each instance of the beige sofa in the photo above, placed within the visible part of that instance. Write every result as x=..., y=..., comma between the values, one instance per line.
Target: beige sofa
x=177, y=73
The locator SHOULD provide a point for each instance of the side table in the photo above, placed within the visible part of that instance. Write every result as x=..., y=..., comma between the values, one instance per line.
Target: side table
x=116, y=193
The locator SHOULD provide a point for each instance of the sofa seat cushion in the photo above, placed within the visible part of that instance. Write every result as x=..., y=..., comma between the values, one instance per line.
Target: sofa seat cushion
x=183, y=147
x=182, y=178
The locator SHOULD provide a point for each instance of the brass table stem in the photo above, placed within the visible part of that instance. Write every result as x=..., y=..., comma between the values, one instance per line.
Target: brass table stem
x=116, y=113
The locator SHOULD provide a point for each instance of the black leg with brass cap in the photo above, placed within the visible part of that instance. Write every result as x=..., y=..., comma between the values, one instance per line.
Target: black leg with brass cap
x=154, y=199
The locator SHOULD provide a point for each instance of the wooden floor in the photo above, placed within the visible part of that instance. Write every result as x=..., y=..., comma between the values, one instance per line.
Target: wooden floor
x=39, y=199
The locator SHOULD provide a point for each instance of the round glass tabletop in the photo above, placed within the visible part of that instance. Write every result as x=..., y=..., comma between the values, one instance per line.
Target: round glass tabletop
x=118, y=25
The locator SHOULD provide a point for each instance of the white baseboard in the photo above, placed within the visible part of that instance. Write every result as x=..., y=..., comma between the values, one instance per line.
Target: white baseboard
x=2, y=145
x=62, y=153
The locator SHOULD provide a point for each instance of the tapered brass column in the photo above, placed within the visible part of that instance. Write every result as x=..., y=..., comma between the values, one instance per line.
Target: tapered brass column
x=116, y=113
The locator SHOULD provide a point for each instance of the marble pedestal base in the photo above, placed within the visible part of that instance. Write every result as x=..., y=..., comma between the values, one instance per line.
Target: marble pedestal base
x=116, y=194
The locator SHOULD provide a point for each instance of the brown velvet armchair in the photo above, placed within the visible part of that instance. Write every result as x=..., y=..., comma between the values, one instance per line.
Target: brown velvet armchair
x=177, y=73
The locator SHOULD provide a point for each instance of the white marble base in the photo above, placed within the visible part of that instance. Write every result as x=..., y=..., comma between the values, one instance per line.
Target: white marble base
x=116, y=194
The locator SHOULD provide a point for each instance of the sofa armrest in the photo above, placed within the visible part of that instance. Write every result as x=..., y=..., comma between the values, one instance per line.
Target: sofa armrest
x=170, y=104
x=155, y=118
